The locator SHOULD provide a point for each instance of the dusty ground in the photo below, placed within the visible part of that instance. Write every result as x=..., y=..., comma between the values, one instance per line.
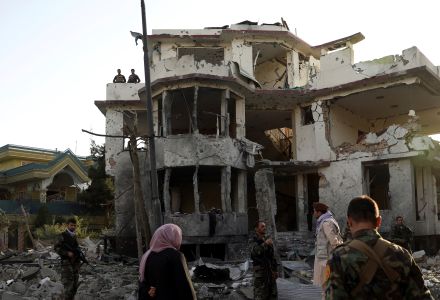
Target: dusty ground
x=35, y=275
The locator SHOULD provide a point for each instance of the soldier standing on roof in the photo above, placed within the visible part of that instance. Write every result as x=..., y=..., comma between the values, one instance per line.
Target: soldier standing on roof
x=264, y=264
x=369, y=267
x=70, y=261
x=119, y=78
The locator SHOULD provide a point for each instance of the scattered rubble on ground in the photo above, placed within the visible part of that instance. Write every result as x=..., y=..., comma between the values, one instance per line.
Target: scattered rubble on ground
x=36, y=275
x=430, y=266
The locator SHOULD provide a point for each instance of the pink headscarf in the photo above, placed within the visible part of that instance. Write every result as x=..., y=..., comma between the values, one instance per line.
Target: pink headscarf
x=166, y=236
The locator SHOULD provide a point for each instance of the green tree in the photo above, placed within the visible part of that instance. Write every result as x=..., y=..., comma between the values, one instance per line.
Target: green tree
x=100, y=190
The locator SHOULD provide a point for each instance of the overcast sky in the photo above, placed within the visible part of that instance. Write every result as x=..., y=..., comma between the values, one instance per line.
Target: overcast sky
x=56, y=56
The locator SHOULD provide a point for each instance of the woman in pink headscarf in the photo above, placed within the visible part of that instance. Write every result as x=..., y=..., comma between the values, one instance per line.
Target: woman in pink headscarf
x=163, y=273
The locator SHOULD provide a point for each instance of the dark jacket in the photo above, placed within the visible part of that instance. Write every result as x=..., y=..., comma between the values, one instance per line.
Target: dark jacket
x=65, y=243
x=165, y=272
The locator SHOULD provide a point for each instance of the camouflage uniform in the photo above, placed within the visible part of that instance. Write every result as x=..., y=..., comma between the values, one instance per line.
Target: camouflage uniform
x=402, y=236
x=69, y=266
x=345, y=266
x=119, y=79
x=346, y=236
x=264, y=263
x=133, y=78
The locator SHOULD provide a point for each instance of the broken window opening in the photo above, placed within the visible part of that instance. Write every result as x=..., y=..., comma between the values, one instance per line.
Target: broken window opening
x=209, y=116
x=307, y=115
x=285, y=218
x=217, y=251
x=189, y=251
x=210, y=188
x=182, y=190
x=312, y=196
x=180, y=115
x=281, y=139
x=212, y=55
x=270, y=65
x=378, y=184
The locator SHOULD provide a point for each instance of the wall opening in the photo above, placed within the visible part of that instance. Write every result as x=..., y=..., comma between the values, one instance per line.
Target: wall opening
x=209, y=116
x=190, y=251
x=270, y=65
x=312, y=196
x=180, y=116
x=182, y=190
x=285, y=218
x=209, y=188
x=307, y=115
x=281, y=139
x=213, y=251
x=378, y=184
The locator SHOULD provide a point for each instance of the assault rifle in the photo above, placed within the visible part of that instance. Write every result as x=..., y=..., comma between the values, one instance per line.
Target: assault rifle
x=79, y=254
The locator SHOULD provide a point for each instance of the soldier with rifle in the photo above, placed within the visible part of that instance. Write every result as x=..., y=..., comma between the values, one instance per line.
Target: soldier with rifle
x=71, y=256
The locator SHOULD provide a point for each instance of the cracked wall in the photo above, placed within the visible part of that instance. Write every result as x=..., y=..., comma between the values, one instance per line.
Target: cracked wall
x=344, y=180
x=338, y=67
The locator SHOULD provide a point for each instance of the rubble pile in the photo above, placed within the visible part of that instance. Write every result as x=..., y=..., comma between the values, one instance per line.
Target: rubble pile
x=430, y=267
x=222, y=280
x=295, y=245
x=37, y=275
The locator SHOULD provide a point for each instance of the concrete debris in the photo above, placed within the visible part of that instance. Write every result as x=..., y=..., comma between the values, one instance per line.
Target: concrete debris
x=419, y=255
x=431, y=274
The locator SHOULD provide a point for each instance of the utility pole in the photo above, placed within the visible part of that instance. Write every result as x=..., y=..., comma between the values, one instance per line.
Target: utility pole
x=156, y=206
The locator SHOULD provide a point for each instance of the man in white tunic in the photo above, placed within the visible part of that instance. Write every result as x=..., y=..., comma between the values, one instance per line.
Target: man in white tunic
x=328, y=236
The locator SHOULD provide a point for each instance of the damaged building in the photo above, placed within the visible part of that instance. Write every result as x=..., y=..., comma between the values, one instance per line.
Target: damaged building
x=251, y=122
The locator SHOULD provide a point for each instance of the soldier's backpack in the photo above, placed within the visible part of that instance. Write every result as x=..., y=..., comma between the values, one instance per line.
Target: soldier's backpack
x=375, y=256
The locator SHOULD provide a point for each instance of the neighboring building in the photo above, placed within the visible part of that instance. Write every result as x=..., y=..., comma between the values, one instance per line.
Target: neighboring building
x=28, y=173
x=251, y=118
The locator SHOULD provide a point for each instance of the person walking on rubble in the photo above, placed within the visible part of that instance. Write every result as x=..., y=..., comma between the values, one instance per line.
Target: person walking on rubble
x=264, y=264
x=370, y=267
x=328, y=237
x=163, y=272
x=401, y=234
x=70, y=261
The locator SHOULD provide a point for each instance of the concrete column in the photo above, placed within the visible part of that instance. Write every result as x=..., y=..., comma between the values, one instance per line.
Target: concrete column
x=194, y=112
x=302, y=202
x=166, y=113
x=293, y=76
x=196, y=191
x=293, y=135
x=266, y=199
x=242, y=191
x=156, y=116
x=240, y=117
x=166, y=191
x=266, y=203
x=226, y=189
x=224, y=112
